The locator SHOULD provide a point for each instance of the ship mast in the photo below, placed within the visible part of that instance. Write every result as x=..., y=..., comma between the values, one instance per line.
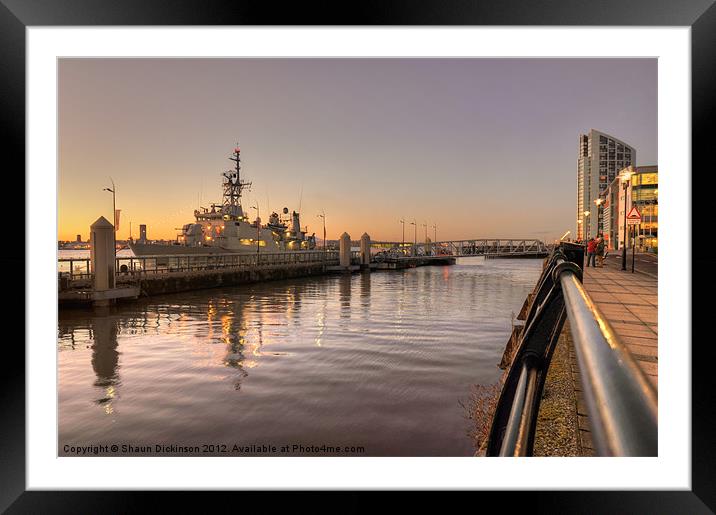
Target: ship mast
x=233, y=187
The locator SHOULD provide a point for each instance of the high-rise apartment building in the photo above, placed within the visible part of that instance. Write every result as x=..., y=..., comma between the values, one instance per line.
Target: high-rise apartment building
x=600, y=158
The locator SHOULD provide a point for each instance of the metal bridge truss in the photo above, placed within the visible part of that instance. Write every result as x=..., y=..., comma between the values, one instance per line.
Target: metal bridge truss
x=465, y=248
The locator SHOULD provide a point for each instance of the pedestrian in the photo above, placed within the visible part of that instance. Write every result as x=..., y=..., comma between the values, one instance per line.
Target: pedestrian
x=600, y=251
x=591, y=251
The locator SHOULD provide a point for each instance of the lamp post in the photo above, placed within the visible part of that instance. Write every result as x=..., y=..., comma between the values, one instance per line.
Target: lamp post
x=586, y=223
x=654, y=207
x=258, y=231
x=624, y=177
x=598, y=202
x=415, y=235
x=426, y=236
x=323, y=215
x=402, y=243
x=112, y=190
x=435, y=239
x=654, y=211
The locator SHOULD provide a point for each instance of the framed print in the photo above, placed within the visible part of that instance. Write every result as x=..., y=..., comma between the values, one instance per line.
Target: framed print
x=342, y=254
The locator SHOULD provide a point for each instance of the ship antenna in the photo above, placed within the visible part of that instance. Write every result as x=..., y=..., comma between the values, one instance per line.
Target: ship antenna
x=300, y=199
x=233, y=185
x=201, y=192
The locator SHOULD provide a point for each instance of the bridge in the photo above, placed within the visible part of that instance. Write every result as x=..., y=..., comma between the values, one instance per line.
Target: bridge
x=487, y=247
x=107, y=277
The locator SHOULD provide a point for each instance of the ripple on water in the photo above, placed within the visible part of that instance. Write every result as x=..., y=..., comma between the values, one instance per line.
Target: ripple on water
x=379, y=360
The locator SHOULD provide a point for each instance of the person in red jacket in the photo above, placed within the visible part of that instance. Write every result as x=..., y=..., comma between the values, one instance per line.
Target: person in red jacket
x=591, y=252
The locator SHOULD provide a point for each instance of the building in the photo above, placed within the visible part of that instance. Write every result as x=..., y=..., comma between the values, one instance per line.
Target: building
x=610, y=212
x=79, y=238
x=600, y=158
x=641, y=191
x=143, y=233
x=644, y=194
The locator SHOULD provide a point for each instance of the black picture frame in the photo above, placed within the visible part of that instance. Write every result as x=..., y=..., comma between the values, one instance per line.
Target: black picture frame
x=700, y=15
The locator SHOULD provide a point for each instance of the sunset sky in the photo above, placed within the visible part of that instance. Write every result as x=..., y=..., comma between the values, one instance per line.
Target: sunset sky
x=480, y=147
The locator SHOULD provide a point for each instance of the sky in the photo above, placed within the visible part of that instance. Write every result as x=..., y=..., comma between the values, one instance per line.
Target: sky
x=482, y=148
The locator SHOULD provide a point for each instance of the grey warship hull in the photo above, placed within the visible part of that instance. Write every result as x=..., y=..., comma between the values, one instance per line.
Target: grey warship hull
x=155, y=249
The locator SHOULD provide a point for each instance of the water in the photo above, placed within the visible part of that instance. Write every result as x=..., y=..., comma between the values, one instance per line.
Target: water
x=378, y=361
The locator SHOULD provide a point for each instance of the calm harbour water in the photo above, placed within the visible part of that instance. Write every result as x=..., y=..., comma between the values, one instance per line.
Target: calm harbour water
x=377, y=360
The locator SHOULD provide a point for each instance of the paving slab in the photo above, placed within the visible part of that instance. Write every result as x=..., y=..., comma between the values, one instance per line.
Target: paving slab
x=630, y=303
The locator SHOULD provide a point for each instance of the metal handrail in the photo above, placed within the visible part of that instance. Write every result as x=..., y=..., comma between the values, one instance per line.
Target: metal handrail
x=621, y=402
x=161, y=264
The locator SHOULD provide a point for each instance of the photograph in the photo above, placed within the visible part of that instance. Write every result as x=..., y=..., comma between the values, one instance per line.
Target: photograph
x=357, y=256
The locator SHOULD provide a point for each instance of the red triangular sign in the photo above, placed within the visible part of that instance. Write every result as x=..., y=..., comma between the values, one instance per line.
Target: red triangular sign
x=634, y=213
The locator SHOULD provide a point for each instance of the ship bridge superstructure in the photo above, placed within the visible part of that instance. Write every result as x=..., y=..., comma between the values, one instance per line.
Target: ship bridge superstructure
x=225, y=228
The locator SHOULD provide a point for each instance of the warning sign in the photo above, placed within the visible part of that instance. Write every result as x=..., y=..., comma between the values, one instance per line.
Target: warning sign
x=633, y=216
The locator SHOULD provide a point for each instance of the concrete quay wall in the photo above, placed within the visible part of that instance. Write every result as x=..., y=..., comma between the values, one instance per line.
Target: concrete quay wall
x=410, y=262
x=80, y=292
x=174, y=282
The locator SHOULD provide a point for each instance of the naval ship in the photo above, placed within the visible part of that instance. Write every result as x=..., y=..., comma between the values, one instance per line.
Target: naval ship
x=225, y=228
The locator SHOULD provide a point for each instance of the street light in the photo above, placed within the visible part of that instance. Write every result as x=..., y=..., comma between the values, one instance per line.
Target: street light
x=586, y=222
x=402, y=244
x=655, y=203
x=415, y=235
x=624, y=178
x=323, y=215
x=426, y=236
x=598, y=202
x=112, y=190
x=435, y=239
x=258, y=231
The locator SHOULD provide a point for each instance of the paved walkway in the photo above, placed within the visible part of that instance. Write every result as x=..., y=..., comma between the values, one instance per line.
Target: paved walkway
x=629, y=301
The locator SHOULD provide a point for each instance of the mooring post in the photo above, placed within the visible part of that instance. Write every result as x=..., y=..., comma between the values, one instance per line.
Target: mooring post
x=345, y=250
x=365, y=251
x=102, y=256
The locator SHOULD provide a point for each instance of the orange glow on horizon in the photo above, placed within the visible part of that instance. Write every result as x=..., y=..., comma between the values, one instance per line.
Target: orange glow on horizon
x=359, y=139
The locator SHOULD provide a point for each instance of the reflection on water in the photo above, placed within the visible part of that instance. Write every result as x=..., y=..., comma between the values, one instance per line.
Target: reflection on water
x=105, y=360
x=376, y=360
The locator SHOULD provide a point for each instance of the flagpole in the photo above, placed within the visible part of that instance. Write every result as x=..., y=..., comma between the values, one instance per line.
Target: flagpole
x=114, y=214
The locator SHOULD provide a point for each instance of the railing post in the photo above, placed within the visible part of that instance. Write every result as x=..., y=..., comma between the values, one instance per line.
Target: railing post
x=621, y=402
x=102, y=254
x=345, y=250
x=623, y=409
